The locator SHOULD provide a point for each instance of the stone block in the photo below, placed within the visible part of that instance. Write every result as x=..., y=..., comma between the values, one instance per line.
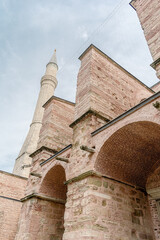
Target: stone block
x=95, y=181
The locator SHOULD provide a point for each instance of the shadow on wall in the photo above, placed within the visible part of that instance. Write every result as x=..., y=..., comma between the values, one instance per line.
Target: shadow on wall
x=131, y=154
x=53, y=183
x=52, y=212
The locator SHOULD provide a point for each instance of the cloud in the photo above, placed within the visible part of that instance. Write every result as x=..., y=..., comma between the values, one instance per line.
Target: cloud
x=82, y=33
x=85, y=35
x=33, y=29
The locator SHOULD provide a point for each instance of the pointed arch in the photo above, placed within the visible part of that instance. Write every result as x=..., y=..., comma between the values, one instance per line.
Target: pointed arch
x=53, y=183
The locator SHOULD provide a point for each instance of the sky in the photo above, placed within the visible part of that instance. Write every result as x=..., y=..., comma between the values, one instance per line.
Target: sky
x=29, y=33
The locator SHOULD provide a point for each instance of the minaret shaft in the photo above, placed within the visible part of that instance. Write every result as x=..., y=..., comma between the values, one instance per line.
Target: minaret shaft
x=48, y=85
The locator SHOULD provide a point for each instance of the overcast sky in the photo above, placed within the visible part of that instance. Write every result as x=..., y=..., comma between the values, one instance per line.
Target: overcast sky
x=31, y=30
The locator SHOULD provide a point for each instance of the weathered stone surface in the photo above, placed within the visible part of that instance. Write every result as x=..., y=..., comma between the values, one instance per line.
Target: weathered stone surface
x=111, y=190
x=148, y=13
x=46, y=220
x=106, y=87
x=103, y=212
x=12, y=189
x=42, y=215
x=55, y=132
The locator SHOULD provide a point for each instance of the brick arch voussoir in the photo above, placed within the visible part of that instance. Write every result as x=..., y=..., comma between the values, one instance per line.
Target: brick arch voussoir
x=112, y=130
x=46, y=169
x=101, y=138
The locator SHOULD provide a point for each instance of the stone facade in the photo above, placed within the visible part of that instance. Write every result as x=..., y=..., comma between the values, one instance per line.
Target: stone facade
x=95, y=173
x=148, y=13
x=12, y=189
x=55, y=132
x=99, y=208
x=105, y=87
x=156, y=87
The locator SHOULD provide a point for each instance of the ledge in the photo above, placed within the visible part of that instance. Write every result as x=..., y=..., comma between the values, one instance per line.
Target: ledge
x=56, y=154
x=132, y=4
x=43, y=197
x=35, y=122
x=115, y=64
x=22, y=155
x=90, y=111
x=83, y=176
x=155, y=63
x=156, y=84
x=12, y=199
x=154, y=193
x=40, y=150
x=97, y=174
x=13, y=175
x=125, y=114
x=52, y=64
x=58, y=99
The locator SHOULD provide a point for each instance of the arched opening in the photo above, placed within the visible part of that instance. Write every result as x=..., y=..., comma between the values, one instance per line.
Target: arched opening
x=127, y=160
x=131, y=153
x=53, y=183
x=50, y=206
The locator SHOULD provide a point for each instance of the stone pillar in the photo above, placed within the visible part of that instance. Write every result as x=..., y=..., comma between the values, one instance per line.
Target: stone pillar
x=158, y=207
x=42, y=213
x=99, y=208
x=105, y=87
x=41, y=218
x=154, y=201
x=148, y=12
x=55, y=132
x=93, y=208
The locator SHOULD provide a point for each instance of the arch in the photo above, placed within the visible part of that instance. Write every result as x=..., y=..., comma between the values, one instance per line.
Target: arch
x=53, y=183
x=131, y=153
x=48, y=210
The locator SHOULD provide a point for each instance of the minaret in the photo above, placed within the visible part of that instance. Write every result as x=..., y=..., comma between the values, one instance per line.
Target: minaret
x=48, y=85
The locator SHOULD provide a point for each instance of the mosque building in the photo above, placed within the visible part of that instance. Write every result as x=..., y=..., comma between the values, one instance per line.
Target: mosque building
x=90, y=170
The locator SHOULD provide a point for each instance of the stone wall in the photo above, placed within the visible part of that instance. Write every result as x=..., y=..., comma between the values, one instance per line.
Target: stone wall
x=131, y=153
x=55, y=132
x=103, y=209
x=42, y=214
x=41, y=220
x=12, y=189
x=149, y=16
x=105, y=87
x=156, y=87
x=81, y=161
x=155, y=217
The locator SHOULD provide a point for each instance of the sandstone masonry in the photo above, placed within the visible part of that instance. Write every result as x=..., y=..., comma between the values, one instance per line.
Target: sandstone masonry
x=94, y=166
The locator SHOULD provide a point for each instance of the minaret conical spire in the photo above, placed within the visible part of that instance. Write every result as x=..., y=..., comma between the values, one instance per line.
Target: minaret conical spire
x=51, y=67
x=53, y=58
x=48, y=85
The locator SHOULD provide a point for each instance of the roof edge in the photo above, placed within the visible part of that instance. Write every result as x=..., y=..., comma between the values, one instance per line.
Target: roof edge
x=56, y=154
x=155, y=84
x=131, y=4
x=125, y=114
x=90, y=111
x=40, y=150
x=58, y=99
x=92, y=46
x=13, y=175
